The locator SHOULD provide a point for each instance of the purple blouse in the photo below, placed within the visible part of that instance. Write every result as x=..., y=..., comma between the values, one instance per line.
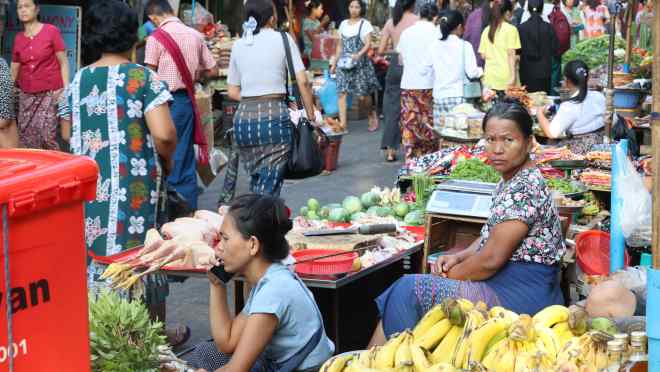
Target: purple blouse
x=473, y=30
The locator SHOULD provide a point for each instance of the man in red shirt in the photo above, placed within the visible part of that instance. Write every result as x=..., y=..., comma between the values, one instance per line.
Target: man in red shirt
x=190, y=52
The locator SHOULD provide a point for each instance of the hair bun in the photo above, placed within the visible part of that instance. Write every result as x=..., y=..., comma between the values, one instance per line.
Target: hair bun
x=285, y=226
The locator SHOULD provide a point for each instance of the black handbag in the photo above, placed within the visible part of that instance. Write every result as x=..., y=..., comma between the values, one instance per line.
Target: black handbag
x=306, y=157
x=171, y=205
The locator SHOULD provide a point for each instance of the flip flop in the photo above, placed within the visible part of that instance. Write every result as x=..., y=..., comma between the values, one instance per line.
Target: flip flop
x=179, y=338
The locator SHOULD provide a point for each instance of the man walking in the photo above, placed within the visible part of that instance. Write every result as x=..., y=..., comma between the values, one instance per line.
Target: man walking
x=180, y=56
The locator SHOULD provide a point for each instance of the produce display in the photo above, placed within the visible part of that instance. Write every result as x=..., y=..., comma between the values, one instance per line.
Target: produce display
x=370, y=207
x=562, y=185
x=600, y=159
x=594, y=52
x=597, y=179
x=122, y=338
x=220, y=43
x=459, y=335
x=186, y=243
x=474, y=169
x=549, y=154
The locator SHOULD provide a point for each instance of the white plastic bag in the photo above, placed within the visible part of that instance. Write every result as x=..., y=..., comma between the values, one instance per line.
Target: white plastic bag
x=636, y=205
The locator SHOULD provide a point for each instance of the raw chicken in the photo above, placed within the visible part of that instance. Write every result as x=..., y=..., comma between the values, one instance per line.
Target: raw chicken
x=199, y=256
x=192, y=229
x=152, y=242
x=213, y=219
x=165, y=249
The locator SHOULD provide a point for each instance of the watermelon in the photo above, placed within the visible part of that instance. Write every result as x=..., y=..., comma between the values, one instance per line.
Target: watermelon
x=373, y=211
x=357, y=216
x=401, y=209
x=324, y=213
x=414, y=218
x=312, y=215
x=304, y=211
x=384, y=212
x=352, y=204
x=313, y=204
x=337, y=215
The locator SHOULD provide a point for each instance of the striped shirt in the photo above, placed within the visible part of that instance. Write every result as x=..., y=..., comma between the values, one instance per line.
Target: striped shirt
x=197, y=55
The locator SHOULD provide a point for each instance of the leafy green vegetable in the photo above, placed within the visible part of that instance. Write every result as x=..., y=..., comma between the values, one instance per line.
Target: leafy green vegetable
x=562, y=185
x=122, y=337
x=594, y=52
x=423, y=186
x=474, y=170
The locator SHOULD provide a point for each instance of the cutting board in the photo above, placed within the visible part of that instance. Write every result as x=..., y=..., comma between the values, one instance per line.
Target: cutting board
x=298, y=241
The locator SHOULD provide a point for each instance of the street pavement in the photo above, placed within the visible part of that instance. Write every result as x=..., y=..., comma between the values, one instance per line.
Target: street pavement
x=361, y=166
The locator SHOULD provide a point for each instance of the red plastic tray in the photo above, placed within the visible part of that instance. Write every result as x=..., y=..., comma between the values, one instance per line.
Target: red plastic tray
x=326, y=266
x=132, y=253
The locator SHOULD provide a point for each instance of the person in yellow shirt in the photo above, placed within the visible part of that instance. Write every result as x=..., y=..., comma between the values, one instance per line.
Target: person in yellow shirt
x=499, y=42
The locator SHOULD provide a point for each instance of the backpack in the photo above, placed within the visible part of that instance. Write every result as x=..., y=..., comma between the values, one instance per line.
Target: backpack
x=562, y=28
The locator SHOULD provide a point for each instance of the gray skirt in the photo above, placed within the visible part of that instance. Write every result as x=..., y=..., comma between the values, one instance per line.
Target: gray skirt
x=392, y=105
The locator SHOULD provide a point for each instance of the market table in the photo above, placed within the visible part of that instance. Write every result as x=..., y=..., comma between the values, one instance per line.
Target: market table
x=347, y=302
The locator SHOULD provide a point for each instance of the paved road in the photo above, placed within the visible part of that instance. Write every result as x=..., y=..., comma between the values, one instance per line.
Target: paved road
x=361, y=166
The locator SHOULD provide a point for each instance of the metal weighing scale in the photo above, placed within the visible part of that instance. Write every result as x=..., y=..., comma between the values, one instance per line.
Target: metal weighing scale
x=462, y=198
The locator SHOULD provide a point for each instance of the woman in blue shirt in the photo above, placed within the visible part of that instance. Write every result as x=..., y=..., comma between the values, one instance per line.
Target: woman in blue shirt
x=280, y=328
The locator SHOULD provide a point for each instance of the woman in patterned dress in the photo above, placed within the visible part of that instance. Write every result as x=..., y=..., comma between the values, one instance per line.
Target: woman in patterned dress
x=515, y=262
x=360, y=80
x=8, y=131
x=117, y=113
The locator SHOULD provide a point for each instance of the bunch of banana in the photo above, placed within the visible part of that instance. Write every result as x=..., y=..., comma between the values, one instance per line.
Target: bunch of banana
x=587, y=351
x=526, y=346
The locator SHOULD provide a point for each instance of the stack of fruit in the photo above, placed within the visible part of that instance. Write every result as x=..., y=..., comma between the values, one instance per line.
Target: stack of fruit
x=381, y=203
x=459, y=335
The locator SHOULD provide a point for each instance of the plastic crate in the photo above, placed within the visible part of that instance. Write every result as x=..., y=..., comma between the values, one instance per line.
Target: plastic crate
x=43, y=193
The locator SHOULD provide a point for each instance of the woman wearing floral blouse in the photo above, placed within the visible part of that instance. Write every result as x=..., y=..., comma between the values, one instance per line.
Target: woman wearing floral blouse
x=117, y=113
x=515, y=262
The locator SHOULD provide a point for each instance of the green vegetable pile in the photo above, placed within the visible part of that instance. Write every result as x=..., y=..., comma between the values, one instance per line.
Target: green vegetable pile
x=594, y=52
x=562, y=185
x=474, y=170
x=423, y=185
x=122, y=337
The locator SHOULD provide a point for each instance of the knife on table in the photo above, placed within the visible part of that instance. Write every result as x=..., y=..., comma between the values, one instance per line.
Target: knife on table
x=362, y=230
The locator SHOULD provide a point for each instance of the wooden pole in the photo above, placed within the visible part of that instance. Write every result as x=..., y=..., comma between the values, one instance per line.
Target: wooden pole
x=631, y=13
x=656, y=137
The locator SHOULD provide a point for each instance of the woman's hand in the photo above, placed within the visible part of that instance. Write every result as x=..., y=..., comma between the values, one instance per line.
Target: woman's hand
x=444, y=263
x=333, y=68
x=56, y=96
x=355, y=56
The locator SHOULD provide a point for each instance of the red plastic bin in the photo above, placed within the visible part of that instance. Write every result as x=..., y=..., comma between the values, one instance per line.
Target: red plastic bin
x=331, y=153
x=326, y=266
x=43, y=193
x=593, y=252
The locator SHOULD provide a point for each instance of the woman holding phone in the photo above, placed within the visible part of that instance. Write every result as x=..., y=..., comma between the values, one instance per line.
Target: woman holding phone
x=280, y=328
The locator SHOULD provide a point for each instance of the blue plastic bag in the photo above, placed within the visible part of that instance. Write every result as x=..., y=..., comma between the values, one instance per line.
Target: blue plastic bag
x=328, y=95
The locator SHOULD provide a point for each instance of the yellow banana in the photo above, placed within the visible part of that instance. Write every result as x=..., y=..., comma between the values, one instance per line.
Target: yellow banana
x=442, y=367
x=420, y=358
x=336, y=364
x=466, y=304
x=365, y=358
x=562, y=330
x=601, y=359
x=432, y=317
x=403, y=360
x=547, y=341
x=474, y=319
x=506, y=362
x=445, y=351
x=385, y=356
x=434, y=335
x=491, y=358
x=551, y=315
x=481, y=337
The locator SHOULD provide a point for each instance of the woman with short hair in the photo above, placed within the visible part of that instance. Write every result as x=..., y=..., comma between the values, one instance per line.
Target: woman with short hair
x=280, y=328
x=116, y=113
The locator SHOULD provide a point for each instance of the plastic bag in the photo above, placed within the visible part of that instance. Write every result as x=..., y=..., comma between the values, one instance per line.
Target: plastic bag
x=202, y=17
x=328, y=95
x=636, y=205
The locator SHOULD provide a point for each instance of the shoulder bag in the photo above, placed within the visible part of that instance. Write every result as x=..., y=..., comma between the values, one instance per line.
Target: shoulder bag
x=306, y=158
x=346, y=61
x=471, y=87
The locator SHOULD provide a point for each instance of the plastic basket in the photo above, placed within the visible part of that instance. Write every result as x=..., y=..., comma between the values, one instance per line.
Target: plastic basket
x=593, y=252
x=626, y=99
x=326, y=266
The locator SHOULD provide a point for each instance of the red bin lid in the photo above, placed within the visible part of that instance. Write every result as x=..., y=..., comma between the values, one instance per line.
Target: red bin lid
x=35, y=179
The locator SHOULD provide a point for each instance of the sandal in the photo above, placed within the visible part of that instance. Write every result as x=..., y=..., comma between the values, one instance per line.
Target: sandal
x=178, y=336
x=391, y=157
x=374, y=124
